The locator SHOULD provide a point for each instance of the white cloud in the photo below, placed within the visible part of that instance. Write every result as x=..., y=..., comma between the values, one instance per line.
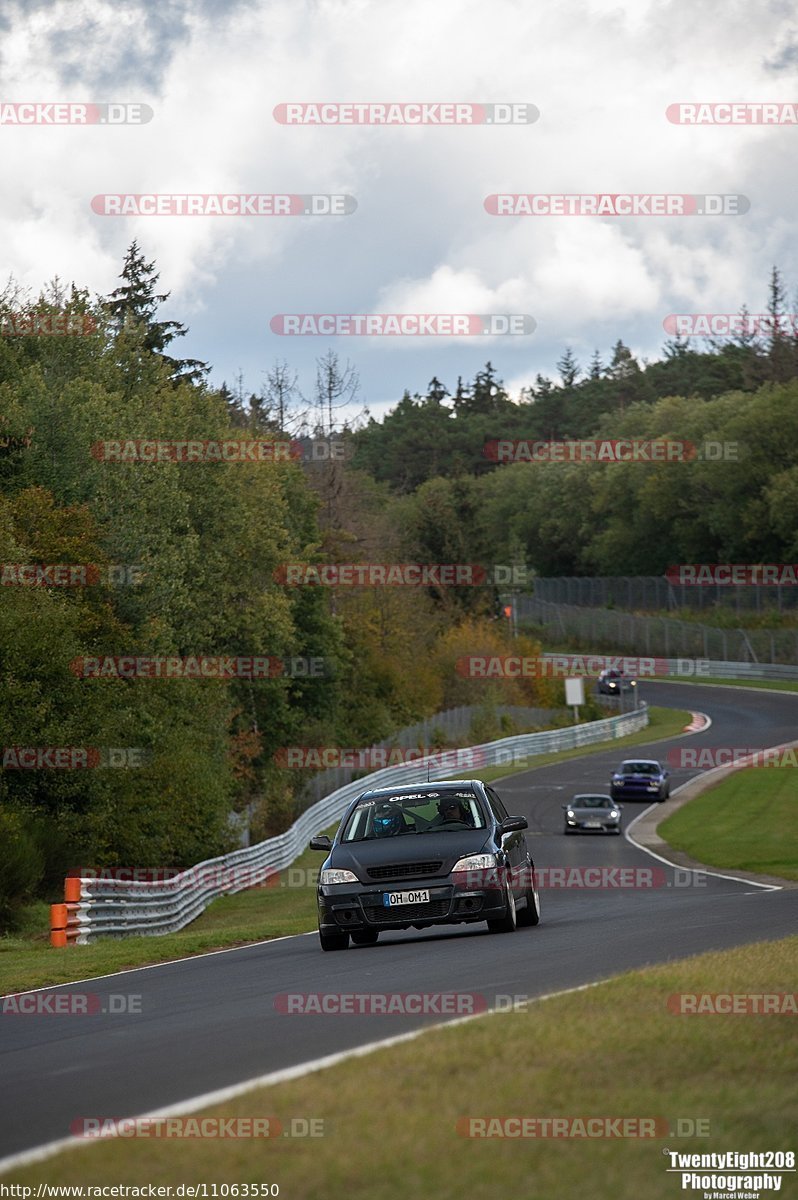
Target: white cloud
x=602, y=73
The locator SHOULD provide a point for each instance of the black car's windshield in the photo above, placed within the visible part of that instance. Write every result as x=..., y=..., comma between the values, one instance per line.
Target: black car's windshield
x=592, y=802
x=639, y=768
x=413, y=813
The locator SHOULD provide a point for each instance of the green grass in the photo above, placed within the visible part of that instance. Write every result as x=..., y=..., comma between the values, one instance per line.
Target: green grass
x=768, y=685
x=27, y=960
x=662, y=723
x=747, y=822
x=287, y=907
x=615, y=1050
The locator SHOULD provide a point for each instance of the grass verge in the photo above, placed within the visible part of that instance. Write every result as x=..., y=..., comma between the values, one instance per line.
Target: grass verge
x=392, y=1120
x=742, y=823
x=27, y=960
x=767, y=685
x=287, y=906
x=662, y=723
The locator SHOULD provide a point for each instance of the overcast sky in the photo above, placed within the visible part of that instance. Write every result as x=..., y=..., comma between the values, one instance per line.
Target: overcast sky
x=601, y=72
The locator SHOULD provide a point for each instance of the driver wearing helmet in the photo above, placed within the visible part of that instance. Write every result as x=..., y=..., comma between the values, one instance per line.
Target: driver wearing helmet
x=451, y=809
x=388, y=820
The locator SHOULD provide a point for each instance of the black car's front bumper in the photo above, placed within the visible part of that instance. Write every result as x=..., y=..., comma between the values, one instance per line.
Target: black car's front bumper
x=637, y=791
x=349, y=906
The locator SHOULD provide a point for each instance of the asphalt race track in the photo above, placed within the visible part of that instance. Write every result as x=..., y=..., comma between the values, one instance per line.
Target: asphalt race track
x=209, y=1022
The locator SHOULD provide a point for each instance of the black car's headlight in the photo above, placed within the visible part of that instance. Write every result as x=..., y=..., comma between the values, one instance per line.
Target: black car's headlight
x=336, y=875
x=475, y=862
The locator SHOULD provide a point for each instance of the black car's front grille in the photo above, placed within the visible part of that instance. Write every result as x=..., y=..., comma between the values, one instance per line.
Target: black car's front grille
x=378, y=914
x=412, y=870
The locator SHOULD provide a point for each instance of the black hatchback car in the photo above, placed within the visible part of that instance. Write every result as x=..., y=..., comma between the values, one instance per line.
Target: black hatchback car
x=429, y=854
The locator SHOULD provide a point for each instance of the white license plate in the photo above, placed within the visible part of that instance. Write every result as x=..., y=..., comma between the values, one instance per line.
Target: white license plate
x=592, y=824
x=392, y=899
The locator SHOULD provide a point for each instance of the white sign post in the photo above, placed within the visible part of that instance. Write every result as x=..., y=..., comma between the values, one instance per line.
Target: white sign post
x=575, y=695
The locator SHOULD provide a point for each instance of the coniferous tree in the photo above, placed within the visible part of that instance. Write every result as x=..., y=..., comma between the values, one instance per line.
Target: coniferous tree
x=134, y=305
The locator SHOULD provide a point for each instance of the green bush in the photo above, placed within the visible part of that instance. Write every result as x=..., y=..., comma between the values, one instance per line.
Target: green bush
x=21, y=865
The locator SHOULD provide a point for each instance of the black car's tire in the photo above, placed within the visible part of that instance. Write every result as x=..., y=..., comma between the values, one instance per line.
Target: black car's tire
x=531, y=914
x=365, y=937
x=509, y=922
x=334, y=941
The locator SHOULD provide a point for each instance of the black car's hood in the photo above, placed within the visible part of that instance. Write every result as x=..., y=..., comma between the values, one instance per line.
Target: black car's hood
x=408, y=848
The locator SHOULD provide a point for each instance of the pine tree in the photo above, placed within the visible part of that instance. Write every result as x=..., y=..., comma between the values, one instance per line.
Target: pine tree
x=779, y=346
x=134, y=306
x=569, y=368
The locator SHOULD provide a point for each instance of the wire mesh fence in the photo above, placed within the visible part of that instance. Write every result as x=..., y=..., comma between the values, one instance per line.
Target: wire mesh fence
x=656, y=593
x=597, y=628
x=443, y=729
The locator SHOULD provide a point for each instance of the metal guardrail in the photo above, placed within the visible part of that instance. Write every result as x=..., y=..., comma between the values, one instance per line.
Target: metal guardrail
x=99, y=907
x=684, y=668
x=744, y=670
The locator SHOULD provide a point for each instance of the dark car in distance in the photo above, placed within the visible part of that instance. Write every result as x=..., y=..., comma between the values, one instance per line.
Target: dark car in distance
x=420, y=855
x=592, y=812
x=640, y=779
x=612, y=682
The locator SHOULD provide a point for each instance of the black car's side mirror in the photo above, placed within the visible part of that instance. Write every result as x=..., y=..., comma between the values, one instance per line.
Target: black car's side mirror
x=322, y=842
x=513, y=825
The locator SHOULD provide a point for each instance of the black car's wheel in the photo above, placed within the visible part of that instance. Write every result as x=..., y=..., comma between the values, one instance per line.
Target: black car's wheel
x=334, y=941
x=365, y=937
x=531, y=914
x=509, y=922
